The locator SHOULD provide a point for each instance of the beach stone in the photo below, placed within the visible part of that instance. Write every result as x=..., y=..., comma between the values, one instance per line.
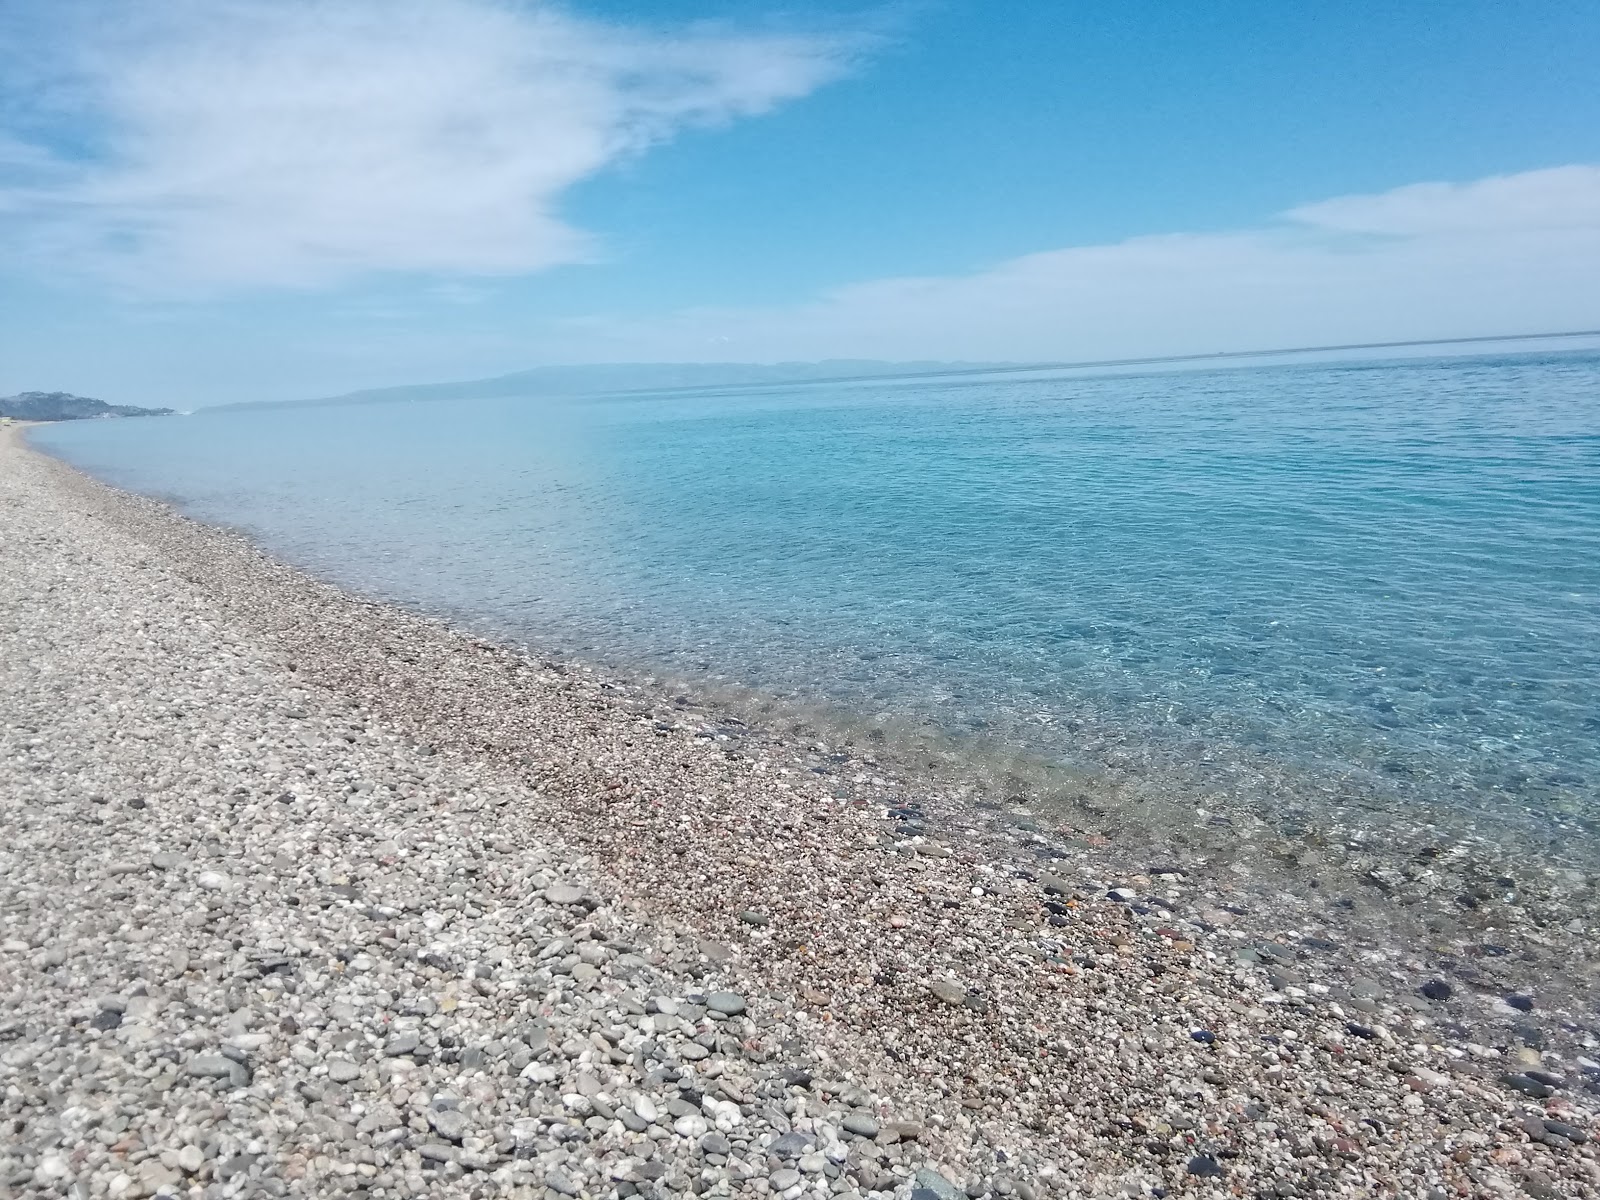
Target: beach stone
x=51, y=1169
x=784, y=1178
x=217, y=1066
x=211, y=881
x=791, y=1145
x=948, y=992
x=402, y=1044
x=1437, y=989
x=190, y=1159
x=1527, y=1085
x=729, y=1004
x=934, y=1186
x=716, y=1143
x=558, y=1180
x=156, y=1175
x=860, y=1124
x=564, y=894
x=342, y=1070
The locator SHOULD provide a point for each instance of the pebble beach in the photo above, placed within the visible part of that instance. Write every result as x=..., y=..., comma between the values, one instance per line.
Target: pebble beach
x=308, y=895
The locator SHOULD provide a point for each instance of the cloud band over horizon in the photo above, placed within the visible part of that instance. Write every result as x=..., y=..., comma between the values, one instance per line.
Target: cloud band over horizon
x=378, y=177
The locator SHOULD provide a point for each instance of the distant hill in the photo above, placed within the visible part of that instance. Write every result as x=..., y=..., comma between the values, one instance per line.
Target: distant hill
x=602, y=378
x=64, y=406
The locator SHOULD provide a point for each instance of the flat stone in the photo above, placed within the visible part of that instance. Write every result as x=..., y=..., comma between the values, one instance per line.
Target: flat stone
x=402, y=1043
x=947, y=991
x=216, y=1066
x=784, y=1179
x=791, y=1145
x=937, y=1186
x=212, y=881
x=860, y=1124
x=565, y=894
x=342, y=1070
x=729, y=1004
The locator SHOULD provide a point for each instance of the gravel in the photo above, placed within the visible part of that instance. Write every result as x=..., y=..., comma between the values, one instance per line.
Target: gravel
x=387, y=909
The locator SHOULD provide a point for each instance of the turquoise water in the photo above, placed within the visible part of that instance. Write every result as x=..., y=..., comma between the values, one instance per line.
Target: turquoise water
x=1294, y=590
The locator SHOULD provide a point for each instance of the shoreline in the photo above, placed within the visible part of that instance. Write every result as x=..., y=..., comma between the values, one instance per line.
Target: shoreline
x=1040, y=1033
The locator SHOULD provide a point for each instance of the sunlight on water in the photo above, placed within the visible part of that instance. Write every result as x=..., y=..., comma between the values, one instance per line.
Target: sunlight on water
x=1297, y=588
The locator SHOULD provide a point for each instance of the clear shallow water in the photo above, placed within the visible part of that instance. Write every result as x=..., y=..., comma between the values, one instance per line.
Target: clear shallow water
x=1311, y=592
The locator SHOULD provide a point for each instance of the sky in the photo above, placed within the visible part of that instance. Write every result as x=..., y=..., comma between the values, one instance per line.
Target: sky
x=209, y=201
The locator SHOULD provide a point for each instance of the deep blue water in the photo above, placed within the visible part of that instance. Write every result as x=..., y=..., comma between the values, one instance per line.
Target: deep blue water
x=1288, y=587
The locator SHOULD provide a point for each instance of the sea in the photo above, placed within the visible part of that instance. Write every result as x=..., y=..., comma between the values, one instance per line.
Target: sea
x=1308, y=596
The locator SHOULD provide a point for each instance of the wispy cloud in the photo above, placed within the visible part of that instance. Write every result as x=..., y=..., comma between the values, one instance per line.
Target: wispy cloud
x=216, y=143
x=1517, y=253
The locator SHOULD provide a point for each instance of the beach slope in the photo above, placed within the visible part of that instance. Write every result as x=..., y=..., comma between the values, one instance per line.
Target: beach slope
x=304, y=895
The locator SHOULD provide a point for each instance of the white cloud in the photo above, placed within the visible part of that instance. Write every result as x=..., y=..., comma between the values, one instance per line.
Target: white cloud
x=1518, y=253
x=206, y=143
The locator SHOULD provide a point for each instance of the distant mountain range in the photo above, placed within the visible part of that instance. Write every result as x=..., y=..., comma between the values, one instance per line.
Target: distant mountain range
x=64, y=406
x=604, y=378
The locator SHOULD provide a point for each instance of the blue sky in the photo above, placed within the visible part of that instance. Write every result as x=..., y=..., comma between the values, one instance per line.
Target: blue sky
x=204, y=202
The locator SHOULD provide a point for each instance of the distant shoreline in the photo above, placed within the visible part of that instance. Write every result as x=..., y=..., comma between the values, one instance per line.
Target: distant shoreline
x=524, y=383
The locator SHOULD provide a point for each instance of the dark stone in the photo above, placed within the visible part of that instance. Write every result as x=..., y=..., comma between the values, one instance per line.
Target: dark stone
x=1570, y=1132
x=106, y=1019
x=1528, y=1086
x=1437, y=989
x=1520, y=1003
x=1204, y=1036
x=791, y=1145
x=1205, y=1166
